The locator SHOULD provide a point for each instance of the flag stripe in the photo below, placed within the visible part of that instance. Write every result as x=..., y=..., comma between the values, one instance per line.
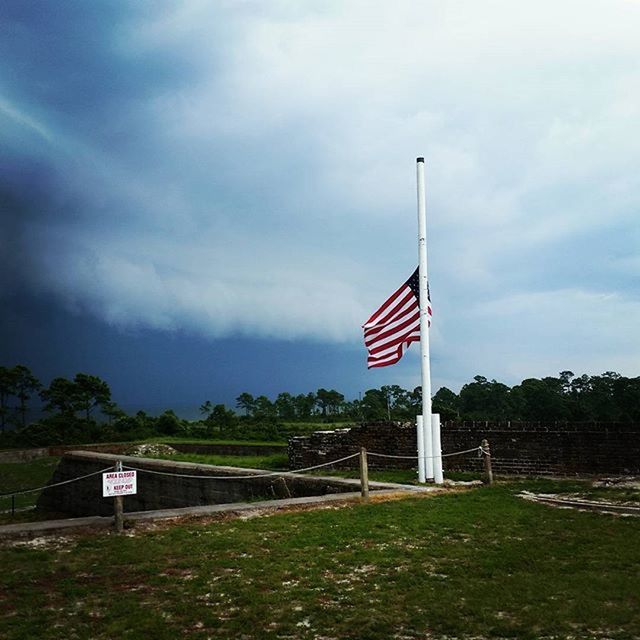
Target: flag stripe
x=408, y=301
x=397, y=328
x=392, y=358
x=392, y=345
x=406, y=326
x=392, y=328
x=402, y=292
x=392, y=348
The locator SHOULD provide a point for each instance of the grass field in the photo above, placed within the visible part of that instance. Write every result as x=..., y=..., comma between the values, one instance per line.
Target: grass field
x=280, y=462
x=276, y=461
x=482, y=563
x=16, y=476
x=170, y=439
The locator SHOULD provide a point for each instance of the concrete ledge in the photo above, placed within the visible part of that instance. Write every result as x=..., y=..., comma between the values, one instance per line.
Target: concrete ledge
x=50, y=527
x=168, y=484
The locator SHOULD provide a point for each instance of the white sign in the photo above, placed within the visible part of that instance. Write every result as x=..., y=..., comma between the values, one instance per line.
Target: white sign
x=119, y=483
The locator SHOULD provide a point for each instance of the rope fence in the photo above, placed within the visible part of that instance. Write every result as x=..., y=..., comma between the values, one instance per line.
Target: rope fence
x=57, y=484
x=482, y=450
x=479, y=450
x=234, y=477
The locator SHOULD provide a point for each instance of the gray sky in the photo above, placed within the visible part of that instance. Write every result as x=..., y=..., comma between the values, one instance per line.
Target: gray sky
x=235, y=171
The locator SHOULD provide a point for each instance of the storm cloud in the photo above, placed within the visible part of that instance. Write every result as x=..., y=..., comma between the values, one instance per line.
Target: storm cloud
x=248, y=169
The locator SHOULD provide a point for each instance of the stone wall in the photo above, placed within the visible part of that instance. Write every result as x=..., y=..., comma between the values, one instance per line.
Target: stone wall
x=154, y=491
x=384, y=437
x=516, y=447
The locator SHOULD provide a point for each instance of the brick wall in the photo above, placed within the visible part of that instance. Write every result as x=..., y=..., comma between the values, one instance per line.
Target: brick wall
x=516, y=447
x=324, y=446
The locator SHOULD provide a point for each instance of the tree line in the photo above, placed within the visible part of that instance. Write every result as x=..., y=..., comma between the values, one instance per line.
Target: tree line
x=609, y=397
x=78, y=410
x=66, y=398
x=81, y=409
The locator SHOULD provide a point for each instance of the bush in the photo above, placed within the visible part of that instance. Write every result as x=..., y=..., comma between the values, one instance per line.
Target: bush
x=169, y=424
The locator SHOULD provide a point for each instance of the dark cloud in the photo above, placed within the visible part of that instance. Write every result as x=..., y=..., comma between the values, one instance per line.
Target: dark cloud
x=246, y=169
x=156, y=370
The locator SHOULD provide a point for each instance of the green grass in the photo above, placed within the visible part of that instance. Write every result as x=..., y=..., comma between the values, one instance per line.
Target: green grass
x=16, y=476
x=171, y=439
x=280, y=462
x=402, y=476
x=275, y=461
x=483, y=563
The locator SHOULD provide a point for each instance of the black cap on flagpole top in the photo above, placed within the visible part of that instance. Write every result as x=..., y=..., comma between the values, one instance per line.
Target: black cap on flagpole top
x=420, y=159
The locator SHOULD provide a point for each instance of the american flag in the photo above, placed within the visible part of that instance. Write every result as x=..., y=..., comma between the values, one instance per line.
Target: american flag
x=395, y=325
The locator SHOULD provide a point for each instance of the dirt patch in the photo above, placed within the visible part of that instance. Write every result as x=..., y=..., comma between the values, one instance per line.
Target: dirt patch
x=44, y=542
x=151, y=449
x=623, y=482
x=575, y=501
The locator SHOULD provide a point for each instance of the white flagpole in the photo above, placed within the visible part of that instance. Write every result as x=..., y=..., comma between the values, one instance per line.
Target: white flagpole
x=421, y=460
x=438, y=478
x=424, y=321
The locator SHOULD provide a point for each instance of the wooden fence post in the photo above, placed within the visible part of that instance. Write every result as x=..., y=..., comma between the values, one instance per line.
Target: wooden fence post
x=486, y=454
x=285, y=487
x=118, y=519
x=364, y=474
